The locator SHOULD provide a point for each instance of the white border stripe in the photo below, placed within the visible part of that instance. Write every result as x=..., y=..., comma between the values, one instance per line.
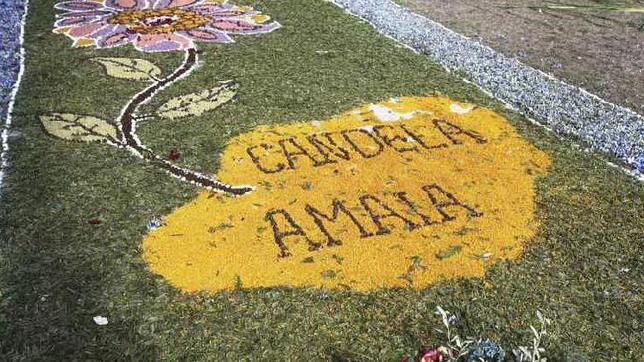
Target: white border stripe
x=14, y=93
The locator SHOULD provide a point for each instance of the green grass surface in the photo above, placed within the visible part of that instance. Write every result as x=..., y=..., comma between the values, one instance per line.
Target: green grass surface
x=57, y=271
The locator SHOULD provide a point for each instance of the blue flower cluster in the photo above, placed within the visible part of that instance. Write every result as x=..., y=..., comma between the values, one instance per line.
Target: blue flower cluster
x=10, y=17
x=154, y=224
x=486, y=351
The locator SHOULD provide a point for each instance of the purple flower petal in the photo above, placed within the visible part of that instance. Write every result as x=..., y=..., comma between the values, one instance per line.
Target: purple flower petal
x=162, y=42
x=109, y=31
x=209, y=35
x=85, y=13
x=75, y=20
x=127, y=4
x=236, y=26
x=217, y=10
x=78, y=5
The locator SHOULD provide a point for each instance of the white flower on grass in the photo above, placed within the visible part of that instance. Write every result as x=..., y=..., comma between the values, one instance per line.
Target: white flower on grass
x=386, y=114
x=100, y=320
x=457, y=108
x=154, y=224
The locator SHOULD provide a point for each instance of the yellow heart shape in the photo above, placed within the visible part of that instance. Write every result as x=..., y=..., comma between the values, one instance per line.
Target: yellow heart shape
x=401, y=193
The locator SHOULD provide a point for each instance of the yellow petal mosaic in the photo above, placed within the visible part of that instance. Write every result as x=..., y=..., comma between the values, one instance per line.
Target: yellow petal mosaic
x=403, y=193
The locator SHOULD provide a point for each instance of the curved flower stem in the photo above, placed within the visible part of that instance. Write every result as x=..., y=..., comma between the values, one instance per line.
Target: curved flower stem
x=129, y=139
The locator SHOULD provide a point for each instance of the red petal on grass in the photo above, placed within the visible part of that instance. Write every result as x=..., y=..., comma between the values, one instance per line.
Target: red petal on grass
x=174, y=155
x=94, y=221
x=430, y=355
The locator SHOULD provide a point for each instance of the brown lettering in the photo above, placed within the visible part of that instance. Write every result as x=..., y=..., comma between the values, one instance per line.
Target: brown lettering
x=434, y=191
x=291, y=156
x=419, y=139
x=391, y=140
x=378, y=217
x=325, y=149
x=295, y=230
x=353, y=144
x=450, y=130
x=256, y=160
x=402, y=196
x=338, y=206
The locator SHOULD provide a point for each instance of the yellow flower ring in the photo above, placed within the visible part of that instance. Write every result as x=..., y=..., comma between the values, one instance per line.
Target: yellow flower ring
x=159, y=21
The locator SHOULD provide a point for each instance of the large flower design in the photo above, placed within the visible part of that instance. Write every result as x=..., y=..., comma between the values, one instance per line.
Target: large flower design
x=157, y=25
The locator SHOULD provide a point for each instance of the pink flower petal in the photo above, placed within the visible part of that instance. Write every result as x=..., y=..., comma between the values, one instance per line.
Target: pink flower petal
x=86, y=30
x=78, y=5
x=209, y=35
x=174, y=3
x=163, y=42
x=114, y=40
x=127, y=4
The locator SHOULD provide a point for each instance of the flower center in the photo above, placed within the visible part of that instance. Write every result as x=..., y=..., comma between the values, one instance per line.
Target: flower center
x=159, y=21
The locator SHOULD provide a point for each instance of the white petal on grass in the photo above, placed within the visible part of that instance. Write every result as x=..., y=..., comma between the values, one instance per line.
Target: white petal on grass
x=100, y=320
x=457, y=108
x=386, y=114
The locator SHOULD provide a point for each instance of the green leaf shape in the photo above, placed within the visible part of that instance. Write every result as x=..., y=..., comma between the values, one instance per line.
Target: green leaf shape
x=196, y=104
x=329, y=274
x=129, y=68
x=73, y=127
x=449, y=252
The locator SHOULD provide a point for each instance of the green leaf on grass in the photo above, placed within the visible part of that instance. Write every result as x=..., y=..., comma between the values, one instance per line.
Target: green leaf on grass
x=329, y=274
x=72, y=127
x=416, y=263
x=128, y=68
x=449, y=252
x=195, y=104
